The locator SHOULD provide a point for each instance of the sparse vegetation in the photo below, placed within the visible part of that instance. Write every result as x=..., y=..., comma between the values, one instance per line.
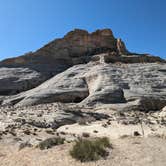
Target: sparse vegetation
x=84, y=134
x=95, y=131
x=50, y=142
x=27, y=132
x=161, y=135
x=24, y=145
x=90, y=150
x=50, y=132
x=124, y=136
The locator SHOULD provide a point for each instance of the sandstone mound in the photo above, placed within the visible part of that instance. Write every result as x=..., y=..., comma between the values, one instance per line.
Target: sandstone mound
x=91, y=84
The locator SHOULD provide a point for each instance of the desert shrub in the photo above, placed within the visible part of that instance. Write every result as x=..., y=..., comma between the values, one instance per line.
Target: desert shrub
x=104, y=142
x=50, y=132
x=50, y=142
x=84, y=134
x=24, y=145
x=90, y=150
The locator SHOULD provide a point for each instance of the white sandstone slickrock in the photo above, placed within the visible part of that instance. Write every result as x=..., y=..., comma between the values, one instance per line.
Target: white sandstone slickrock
x=91, y=84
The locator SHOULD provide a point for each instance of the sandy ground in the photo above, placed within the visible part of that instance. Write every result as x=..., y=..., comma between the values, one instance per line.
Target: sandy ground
x=148, y=149
x=132, y=151
x=113, y=130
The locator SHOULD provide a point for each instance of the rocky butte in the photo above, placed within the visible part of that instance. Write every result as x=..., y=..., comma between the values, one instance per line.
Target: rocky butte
x=83, y=85
x=85, y=68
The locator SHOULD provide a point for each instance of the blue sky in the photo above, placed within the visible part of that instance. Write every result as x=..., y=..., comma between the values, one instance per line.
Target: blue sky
x=26, y=25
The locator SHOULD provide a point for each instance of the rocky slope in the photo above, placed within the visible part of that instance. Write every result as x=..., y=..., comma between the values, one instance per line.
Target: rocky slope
x=89, y=84
x=76, y=47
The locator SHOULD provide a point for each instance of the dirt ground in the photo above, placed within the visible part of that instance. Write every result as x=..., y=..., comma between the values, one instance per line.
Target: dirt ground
x=133, y=151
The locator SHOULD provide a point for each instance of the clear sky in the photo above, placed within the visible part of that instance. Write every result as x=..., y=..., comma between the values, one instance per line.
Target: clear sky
x=26, y=25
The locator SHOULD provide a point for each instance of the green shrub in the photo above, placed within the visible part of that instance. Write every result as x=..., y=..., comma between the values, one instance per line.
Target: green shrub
x=50, y=142
x=90, y=150
x=104, y=142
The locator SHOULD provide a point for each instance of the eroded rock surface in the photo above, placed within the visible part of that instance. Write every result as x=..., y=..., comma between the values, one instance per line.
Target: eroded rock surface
x=95, y=84
x=15, y=80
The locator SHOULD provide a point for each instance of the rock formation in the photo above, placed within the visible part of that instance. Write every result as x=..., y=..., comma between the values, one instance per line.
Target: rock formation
x=15, y=80
x=121, y=48
x=82, y=85
x=76, y=47
x=84, y=68
x=91, y=84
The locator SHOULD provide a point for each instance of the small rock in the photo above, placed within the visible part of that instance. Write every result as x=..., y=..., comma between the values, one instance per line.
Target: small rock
x=136, y=133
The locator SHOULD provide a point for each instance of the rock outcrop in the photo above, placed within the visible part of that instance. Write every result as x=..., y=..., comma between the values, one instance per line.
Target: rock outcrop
x=91, y=85
x=85, y=68
x=76, y=47
x=121, y=48
x=15, y=80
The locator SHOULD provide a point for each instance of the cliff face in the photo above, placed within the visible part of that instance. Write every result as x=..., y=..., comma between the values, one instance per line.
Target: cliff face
x=121, y=48
x=74, y=48
x=77, y=46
